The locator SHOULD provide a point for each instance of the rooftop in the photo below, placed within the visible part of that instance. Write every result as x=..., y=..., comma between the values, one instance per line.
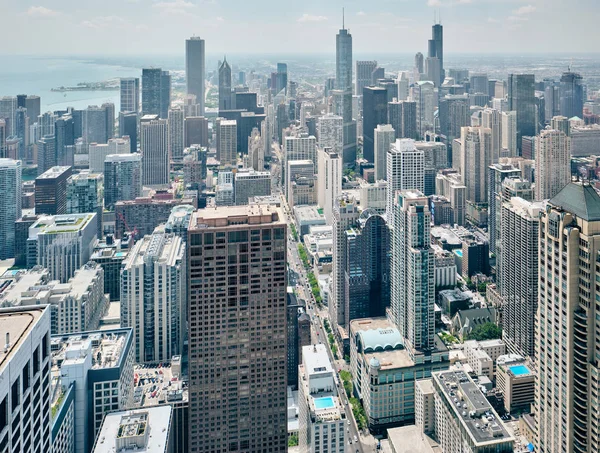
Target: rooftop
x=471, y=408
x=315, y=359
x=68, y=223
x=144, y=430
x=158, y=384
x=222, y=216
x=381, y=340
x=580, y=199
x=410, y=439
x=105, y=347
x=15, y=325
x=14, y=284
x=53, y=172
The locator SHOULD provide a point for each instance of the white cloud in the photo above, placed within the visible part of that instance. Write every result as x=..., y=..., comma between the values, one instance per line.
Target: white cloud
x=524, y=10
x=220, y=19
x=41, y=11
x=174, y=7
x=491, y=20
x=434, y=3
x=464, y=2
x=517, y=19
x=361, y=13
x=311, y=18
x=102, y=22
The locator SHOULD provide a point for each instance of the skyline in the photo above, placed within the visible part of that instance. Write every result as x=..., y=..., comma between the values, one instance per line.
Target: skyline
x=471, y=26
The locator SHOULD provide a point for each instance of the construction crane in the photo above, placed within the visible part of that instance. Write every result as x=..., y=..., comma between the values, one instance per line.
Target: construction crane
x=134, y=231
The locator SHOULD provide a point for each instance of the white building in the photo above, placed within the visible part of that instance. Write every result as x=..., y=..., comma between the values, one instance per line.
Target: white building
x=154, y=144
x=25, y=424
x=552, y=163
x=251, y=183
x=450, y=185
x=385, y=136
x=153, y=296
x=423, y=93
x=92, y=374
x=296, y=170
x=224, y=194
x=147, y=430
x=404, y=171
x=330, y=172
x=322, y=416
x=509, y=134
x=64, y=243
x=97, y=152
x=122, y=178
x=10, y=205
x=301, y=147
x=374, y=196
x=475, y=159
x=227, y=142
x=330, y=132
x=482, y=356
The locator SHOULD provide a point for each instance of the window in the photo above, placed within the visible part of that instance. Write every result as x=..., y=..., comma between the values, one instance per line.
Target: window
x=26, y=377
x=14, y=395
x=3, y=414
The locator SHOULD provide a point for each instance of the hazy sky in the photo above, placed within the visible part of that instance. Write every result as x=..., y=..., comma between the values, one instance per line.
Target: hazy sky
x=305, y=26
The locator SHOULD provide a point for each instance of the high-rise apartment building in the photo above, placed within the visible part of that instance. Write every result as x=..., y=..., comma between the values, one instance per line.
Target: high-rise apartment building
x=128, y=127
x=155, y=150
x=84, y=194
x=330, y=173
x=566, y=345
x=571, y=95
x=51, y=191
x=345, y=214
x=122, y=178
x=253, y=391
x=497, y=173
x=301, y=147
x=552, y=163
x=129, y=94
x=424, y=96
x=64, y=243
x=385, y=136
x=8, y=111
x=321, y=413
x=521, y=99
x=330, y=130
x=343, y=60
x=364, y=69
x=196, y=131
x=412, y=265
x=405, y=165
x=518, y=274
x=64, y=135
x=25, y=371
x=492, y=119
x=374, y=113
x=153, y=296
x=225, y=86
x=10, y=205
x=195, y=70
x=475, y=157
x=227, y=142
x=454, y=114
x=176, y=134
x=249, y=183
x=98, y=123
x=509, y=134
x=402, y=115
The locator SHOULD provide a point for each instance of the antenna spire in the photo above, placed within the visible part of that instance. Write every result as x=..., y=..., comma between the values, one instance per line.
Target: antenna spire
x=343, y=18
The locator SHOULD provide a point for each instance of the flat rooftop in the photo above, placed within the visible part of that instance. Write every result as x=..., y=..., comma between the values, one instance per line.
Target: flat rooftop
x=109, y=345
x=471, y=408
x=382, y=341
x=67, y=223
x=224, y=216
x=410, y=439
x=17, y=323
x=14, y=283
x=143, y=430
x=153, y=385
x=52, y=173
x=315, y=359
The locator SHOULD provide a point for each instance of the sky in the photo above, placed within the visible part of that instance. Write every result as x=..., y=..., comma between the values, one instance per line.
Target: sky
x=117, y=27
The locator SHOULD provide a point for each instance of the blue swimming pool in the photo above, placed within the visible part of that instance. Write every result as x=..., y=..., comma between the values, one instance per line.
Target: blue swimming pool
x=458, y=253
x=324, y=403
x=519, y=370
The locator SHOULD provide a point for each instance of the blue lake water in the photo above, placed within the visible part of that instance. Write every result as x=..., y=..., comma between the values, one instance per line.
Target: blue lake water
x=38, y=75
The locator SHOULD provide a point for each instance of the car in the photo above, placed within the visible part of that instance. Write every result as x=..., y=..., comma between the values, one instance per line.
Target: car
x=348, y=422
x=350, y=442
x=355, y=439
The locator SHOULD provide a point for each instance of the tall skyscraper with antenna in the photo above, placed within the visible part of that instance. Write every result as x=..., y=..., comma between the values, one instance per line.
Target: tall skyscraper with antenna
x=195, y=69
x=343, y=63
x=436, y=47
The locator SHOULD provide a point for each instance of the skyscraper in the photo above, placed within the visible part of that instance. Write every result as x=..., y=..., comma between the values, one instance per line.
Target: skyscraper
x=436, y=50
x=156, y=92
x=122, y=178
x=509, y=146
x=10, y=205
x=405, y=165
x=424, y=96
x=64, y=135
x=552, y=163
x=155, y=150
x=153, y=296
x=454, y=114
x=475, y=157
x=571, y=95
x=130, y=94
x=27, y=388
x=225, y=86
x=95, y=125
x=497, y=174
x=418, y=64
x=343, y=85
x=195, y=68
x=128, y=127
x=330, y=173
x=566, y=322
x=364, y=69
x=51, y=191
x=330, y=130
x=521, y=99
x=84, y=194
x=413, y=281
x=374, y=113
x=343, y=60
x=176, y=134
x=518, y=274
x=253, y=391
x=385, y=136
x=227, y=141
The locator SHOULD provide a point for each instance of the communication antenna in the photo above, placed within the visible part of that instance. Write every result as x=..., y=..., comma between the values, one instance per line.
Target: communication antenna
x=343, y=19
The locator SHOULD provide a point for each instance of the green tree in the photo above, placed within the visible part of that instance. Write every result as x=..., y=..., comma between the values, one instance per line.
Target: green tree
x=293, y=440
x=487, y=331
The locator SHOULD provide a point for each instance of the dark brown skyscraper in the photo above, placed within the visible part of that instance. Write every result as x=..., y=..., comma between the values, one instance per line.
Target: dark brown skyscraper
x=237, y=330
